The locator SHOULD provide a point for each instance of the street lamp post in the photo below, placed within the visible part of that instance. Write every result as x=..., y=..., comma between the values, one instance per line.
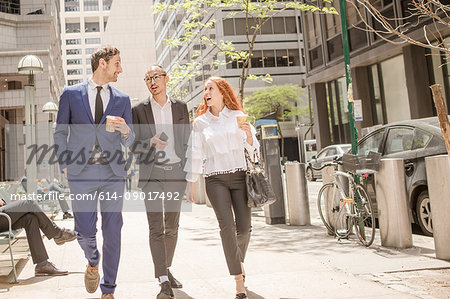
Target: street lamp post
x=30, y=65
x=50, y=108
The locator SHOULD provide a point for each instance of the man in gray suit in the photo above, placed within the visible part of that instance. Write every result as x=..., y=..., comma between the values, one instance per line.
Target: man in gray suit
x=162, y=129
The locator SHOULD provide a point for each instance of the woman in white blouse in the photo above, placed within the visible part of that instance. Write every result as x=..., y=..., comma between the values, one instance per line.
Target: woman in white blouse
x=217, y=152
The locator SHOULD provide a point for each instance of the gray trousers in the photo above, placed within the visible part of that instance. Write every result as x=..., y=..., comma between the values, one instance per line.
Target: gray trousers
x=227, y=194
x=164, y=193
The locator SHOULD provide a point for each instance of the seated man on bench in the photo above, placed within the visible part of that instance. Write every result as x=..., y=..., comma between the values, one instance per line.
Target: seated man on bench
x=27, y=214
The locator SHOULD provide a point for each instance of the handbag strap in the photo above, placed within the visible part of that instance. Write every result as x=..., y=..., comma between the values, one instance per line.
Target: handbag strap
x=248, y=159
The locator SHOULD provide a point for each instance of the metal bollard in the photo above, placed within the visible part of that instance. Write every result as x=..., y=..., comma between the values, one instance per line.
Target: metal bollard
x=297, y=194
x=438, y=173
x=392, y=202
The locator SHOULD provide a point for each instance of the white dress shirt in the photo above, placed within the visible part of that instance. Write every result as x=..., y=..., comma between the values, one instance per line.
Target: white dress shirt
x=217, y=145
x=92, y=95
x=164, y=123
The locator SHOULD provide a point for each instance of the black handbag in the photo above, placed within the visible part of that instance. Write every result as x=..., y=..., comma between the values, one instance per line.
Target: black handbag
x=259, y=190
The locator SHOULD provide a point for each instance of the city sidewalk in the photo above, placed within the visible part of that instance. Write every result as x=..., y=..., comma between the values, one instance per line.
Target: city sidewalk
x=282, y=262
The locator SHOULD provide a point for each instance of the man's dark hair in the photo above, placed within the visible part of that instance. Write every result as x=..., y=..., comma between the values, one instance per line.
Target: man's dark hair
x=106, y=53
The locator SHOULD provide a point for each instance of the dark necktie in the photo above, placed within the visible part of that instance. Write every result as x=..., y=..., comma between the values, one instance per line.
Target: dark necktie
x=98, y=106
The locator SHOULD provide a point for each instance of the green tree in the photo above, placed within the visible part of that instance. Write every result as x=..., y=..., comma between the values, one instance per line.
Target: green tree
x=284, y=100
x=199, y=25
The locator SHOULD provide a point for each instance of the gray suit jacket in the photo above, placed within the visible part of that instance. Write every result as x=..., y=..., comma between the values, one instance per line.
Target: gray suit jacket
x=144, y=128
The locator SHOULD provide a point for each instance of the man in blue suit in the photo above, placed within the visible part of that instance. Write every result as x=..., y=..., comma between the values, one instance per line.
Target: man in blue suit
x=90, y=154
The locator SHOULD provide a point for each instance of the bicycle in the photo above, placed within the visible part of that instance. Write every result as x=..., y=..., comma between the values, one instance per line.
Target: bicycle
x=342, y=209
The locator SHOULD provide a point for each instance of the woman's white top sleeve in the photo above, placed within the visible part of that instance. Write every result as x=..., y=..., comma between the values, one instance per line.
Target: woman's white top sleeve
x=217, y=145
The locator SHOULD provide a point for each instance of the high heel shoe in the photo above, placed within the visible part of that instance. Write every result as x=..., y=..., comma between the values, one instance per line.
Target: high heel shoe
x=241, y=296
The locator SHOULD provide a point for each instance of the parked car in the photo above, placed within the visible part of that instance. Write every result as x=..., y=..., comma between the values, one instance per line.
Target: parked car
x=411, y=140
x=327, y=154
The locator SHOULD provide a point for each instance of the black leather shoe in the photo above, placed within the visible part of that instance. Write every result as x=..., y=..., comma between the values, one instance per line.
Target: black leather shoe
x=67, y=215
x=49, y=269
x=174, y=283
x=241, y=296
x=166, y=291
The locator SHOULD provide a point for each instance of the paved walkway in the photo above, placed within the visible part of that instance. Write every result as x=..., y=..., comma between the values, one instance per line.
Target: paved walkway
x=282, y=262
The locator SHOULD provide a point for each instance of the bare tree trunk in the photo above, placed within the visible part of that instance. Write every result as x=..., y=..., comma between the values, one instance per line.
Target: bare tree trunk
x=442, y=114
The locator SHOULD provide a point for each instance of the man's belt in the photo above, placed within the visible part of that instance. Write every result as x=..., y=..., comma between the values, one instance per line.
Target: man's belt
x=98, y=160
x=168, y=167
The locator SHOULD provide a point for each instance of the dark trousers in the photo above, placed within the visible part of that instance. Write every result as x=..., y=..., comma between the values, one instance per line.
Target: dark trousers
x=101, y=185
x=27, y=214
x=227, y=194
x=164, y=193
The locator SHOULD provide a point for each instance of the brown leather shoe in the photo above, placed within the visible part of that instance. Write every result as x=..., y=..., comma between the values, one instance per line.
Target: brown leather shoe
x=67, y=235
x=91, y=279
x=108, y=296
x=49, y=269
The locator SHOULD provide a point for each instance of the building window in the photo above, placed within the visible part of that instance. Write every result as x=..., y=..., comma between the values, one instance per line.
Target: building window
x=89, y=50
x=73, y=41
x=276, y=25
x=88, y=71
x=88, y=61
x=75, y=72
x=73, y=61
x=90, y=5
x=93, y=40
x=73, y=82
x=338, y=116
x=72, y=27
x=282, y=58
x=256, y=59
x=294, y=58
x=71, y=5
x=10, y=7
x=105, y=22
x=107, y=4
x=269, y=58
x=12, y=82
x=73, y=51
x=91, y=27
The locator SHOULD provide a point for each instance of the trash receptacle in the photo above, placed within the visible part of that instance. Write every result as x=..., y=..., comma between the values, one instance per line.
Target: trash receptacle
x=392, y=202
x=438, y=174
x=297, y=194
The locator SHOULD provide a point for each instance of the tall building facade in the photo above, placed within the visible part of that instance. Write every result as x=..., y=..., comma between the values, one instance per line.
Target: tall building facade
x=278, y=50
x=83, y=22
x=130, y=29
x=27, y=27
x=391, y=80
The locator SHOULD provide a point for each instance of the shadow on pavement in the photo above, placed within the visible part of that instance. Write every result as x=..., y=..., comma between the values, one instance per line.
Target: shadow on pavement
x=181, y=295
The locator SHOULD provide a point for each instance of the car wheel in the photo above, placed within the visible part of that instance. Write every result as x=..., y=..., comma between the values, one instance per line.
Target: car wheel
x=310, y=175
x=423, y=212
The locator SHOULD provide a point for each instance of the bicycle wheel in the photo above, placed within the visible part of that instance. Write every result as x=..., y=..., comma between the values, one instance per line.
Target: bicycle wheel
x=364, y=220
x=327, y=203
x=343, y=222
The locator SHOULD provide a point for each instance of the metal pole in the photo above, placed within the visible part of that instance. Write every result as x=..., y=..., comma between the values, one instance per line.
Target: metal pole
x=348, y=77
x=30, y=167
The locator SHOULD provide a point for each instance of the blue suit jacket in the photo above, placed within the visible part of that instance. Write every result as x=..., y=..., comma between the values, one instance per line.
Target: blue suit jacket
x=76, y=132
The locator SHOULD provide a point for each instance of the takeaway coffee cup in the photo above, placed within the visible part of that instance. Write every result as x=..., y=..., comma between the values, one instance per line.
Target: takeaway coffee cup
x=110, y=123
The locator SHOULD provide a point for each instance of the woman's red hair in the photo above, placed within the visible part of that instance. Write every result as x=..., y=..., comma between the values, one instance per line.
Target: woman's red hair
x=229, y=97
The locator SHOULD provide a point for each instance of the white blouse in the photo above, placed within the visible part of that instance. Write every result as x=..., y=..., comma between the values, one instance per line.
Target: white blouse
x=217, y=145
